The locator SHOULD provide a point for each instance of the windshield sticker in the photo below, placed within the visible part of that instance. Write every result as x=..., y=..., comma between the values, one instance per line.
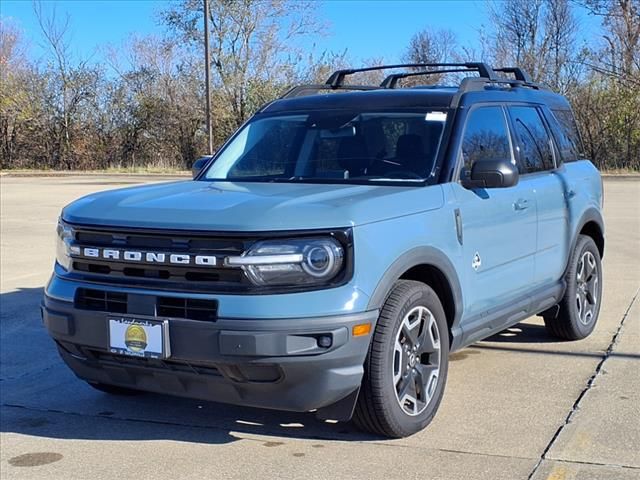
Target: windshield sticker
x=436, y=117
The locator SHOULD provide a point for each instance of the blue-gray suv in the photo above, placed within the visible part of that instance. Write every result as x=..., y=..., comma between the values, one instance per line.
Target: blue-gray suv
x=337, y=248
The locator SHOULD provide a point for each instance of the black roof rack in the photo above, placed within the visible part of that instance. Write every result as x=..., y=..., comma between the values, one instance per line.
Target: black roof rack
x=486, y=77
x=336, y=79
x=392, y=80
x=518, y=73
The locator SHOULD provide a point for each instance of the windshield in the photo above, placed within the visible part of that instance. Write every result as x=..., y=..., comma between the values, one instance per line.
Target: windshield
x=333, y=147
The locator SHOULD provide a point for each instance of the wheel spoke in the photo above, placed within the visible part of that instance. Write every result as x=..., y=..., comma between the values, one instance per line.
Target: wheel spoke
x=592, y=290
x=590, y=266
x=581, y=270
x=424, y=378
x=407, y=386
x=429, y=338
x=398, y=362
x=411, y=334
x=579, y=304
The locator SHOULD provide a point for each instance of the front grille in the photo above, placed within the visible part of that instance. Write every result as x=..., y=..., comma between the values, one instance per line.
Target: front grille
x=172, y=307
x=171, y=276
x=182, y=261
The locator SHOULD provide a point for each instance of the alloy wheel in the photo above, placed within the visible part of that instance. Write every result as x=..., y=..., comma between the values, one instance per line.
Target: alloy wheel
x=416, y=360
x=587, y=290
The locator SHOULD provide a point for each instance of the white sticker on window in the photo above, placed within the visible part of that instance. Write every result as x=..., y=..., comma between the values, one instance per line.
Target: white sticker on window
x=436, y=117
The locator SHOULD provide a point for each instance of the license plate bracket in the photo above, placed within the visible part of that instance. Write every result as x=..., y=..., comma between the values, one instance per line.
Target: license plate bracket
x=139, y=337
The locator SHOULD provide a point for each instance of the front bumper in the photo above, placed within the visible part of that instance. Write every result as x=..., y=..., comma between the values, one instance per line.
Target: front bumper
x=275, y=363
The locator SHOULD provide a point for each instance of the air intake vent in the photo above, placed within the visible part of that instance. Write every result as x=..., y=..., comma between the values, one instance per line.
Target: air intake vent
x=190, y=308
x=101, y=300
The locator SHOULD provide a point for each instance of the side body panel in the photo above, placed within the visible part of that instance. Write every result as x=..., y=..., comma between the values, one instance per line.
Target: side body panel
x=384, y=250
x=499, y=244
x=554, y=229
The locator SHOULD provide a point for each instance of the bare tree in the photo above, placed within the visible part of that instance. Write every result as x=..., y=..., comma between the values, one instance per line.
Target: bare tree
x=560, y=29
x=55, y=33
x=518, y=36
x=253, y=46
x=430, y=46
x=14, y=108
x=621, y=54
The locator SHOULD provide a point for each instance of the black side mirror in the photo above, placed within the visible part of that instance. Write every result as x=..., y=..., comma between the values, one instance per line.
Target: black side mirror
x=198, y=165
x=492, y=174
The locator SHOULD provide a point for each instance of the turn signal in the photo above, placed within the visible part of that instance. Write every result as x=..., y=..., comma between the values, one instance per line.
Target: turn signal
x=362, y=329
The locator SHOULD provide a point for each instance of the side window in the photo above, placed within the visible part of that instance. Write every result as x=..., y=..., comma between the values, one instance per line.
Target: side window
x=486, y=137
x=567, y=135
x=533, y=140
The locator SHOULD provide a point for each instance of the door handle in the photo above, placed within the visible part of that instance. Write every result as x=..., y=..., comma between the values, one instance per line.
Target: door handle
x=521, y=204
x=570, y=194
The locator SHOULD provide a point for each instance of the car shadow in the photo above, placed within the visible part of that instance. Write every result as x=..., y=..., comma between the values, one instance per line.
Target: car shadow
x=40, y=396
x=524, y=333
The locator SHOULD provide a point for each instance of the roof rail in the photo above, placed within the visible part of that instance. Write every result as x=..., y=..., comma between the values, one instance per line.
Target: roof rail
x=336, y=80
x=392, y=80
x=518, y=73
x=310, y=89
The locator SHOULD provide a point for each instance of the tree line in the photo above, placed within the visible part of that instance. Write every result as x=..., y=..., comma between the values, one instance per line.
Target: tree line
x=142, y=105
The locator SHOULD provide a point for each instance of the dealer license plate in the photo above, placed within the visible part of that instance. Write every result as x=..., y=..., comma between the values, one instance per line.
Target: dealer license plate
x=139, y=337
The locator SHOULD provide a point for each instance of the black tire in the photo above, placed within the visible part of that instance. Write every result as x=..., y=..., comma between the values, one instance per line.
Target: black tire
x=379, y=409
x=114, y=390
x=571, y=322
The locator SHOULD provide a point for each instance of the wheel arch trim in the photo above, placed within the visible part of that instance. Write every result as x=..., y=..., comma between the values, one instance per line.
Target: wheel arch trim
x=427, y=256
x=591, y=215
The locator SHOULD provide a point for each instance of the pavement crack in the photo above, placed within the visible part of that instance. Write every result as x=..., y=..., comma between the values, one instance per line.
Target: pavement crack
x=590, y=383
x=26, y=374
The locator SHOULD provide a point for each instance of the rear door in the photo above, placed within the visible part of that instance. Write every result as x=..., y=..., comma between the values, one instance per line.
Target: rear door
x=498, y=224
x=538, y=169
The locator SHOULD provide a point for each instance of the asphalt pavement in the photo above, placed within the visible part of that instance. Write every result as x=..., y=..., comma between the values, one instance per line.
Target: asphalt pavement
x=520, y=405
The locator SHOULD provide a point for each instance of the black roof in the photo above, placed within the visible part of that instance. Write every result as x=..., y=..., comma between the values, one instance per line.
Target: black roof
x=404, y=98
x=407, y=98
x=487, y=87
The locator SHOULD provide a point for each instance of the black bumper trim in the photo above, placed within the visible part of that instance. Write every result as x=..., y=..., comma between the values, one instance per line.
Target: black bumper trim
x=262, y=363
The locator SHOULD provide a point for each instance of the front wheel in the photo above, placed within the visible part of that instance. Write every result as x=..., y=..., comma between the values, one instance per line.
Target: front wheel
x=577, y=312
x=406, y=367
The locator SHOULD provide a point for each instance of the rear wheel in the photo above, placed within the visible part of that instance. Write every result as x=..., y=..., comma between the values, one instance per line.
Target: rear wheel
x=406, y=368
x=577, y=312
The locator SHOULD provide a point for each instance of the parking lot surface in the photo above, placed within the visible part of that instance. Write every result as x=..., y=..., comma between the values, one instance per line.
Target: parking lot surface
x=519, y=405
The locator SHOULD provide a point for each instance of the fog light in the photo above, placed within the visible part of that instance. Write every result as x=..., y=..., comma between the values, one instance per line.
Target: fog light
x=325, y=341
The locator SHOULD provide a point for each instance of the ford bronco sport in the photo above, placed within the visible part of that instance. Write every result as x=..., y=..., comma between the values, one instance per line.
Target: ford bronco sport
x=337, y=248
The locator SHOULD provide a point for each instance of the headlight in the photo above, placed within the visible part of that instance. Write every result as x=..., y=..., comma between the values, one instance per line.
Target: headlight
x=303, y=261
x=63, y=244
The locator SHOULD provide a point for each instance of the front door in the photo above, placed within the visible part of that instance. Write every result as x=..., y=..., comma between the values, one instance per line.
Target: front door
x=498, y=224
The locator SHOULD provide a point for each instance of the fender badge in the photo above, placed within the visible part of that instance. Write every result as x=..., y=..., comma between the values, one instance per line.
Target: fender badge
x=477, y=261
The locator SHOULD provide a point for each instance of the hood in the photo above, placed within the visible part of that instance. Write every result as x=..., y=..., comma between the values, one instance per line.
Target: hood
x=227, y=206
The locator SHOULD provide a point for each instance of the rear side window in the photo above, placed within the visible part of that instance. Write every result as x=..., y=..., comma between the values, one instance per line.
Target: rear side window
x=566, y=133
x=486, y=137
x=533, y=140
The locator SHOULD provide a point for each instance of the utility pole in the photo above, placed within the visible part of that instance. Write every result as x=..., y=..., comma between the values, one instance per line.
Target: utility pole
x=207, y=76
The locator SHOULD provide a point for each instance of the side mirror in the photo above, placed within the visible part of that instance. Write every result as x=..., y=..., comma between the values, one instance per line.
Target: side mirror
x=198, y=165
x=492, y=174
